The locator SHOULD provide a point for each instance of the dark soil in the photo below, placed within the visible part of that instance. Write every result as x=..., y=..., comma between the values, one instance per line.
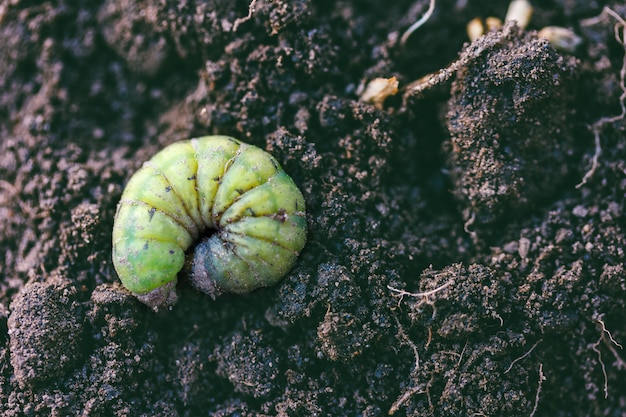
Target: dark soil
x=465, y=254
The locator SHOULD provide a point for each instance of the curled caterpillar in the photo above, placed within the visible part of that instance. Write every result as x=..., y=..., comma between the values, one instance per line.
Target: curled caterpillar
x=235, y=199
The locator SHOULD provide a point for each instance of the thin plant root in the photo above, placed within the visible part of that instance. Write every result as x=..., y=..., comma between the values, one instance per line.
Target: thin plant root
x=420, y=294
x=418, y=24
x=523, y=356
x=620, y=35
x=610, y=343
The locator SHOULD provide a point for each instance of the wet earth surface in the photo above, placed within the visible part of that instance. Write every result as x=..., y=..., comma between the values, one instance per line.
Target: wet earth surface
x=466, y=245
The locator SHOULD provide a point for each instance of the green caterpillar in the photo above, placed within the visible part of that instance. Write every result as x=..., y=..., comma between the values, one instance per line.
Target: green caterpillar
x=234, y=198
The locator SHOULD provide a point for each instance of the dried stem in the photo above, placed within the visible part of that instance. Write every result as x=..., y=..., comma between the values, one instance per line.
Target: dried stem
x=404, y=397
x=610, y=342
x=240, y=20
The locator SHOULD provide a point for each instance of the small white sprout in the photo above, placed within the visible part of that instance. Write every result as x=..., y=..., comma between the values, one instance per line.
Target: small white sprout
x=520, y=11
x=493, y=23
x=477, y=28
x=378, y=90
x=561, y=38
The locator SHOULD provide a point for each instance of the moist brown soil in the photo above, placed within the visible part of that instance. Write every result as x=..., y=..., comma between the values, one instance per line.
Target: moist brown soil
x=457, y=263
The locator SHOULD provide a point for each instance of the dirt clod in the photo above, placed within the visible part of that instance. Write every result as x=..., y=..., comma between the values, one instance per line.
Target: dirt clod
x=45, y=331
x=508, y=119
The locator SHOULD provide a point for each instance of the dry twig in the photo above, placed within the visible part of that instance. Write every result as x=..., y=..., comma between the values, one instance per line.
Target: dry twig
x=240, y=20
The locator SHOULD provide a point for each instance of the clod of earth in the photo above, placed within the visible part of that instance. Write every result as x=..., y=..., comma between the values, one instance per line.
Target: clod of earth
x=508, y=122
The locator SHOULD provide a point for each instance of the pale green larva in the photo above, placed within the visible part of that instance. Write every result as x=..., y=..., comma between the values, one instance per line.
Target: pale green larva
x=235, y=199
